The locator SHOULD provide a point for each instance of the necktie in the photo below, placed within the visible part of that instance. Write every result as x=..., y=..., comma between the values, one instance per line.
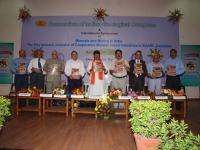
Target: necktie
x=138, y=61
x=39, y=64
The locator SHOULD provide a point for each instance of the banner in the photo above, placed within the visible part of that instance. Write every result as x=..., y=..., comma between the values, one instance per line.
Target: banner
x=190, y=56
x=82, y=34
x=6, y=59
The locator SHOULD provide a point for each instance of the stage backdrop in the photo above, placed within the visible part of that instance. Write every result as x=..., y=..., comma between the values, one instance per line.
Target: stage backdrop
x=83, y=34
x=6, y=59
x=190, y=56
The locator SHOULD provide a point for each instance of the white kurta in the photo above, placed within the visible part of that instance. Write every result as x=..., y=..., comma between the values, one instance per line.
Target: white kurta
x=98, y=87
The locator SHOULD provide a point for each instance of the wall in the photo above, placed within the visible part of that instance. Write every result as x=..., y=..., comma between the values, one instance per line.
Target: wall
x=10, y=28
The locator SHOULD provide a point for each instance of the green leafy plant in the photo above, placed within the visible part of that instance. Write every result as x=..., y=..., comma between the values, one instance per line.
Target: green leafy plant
x=177, y=137
x=149, y=117
x=4, y=110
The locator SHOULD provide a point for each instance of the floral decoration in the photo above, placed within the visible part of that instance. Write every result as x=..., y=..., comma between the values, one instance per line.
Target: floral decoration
x=134, y=95
x=35, y=50
x=59, y=91
x=105, y=108
x=24, y=13
x=99, y=14
x=175, y=15
x=115, y=93
x=35, y=92
x=78, y=91
x=170, y=93
x=155, y=52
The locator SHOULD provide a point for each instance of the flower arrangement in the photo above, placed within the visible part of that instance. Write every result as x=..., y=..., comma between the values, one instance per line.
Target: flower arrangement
x=35, y=92
x=24, y=13
x=170, y=93
x=155, y=52
x=99, y=14
x=105, y=108
x=115, y=93
x=35, y=50
x=134, y=95
x=78, y=91
x=175, y=15
x=59, y=91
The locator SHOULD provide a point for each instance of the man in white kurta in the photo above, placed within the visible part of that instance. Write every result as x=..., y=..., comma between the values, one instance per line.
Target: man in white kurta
x=97, y=70
x=74, y=69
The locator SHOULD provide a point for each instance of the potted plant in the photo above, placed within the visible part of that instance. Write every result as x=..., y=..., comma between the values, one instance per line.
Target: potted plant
x=178, y=138
x=4, y=110
x=148, y=122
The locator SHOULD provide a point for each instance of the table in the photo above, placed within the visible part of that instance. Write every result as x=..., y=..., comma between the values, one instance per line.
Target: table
x=174, y=110
x=28, y=107
x=122, y=111
x=83, y=110
x=51, y=108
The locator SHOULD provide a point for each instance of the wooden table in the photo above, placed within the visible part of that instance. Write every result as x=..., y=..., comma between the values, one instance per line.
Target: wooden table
x=28, y=107
x=174, y=110
x=51, y=108
x=83, y=110
x=122, y=111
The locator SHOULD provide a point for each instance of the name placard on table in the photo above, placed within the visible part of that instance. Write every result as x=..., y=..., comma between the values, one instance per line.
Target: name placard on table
x=77, y=96
x=60, y=96
x=143, y=97
x=45, y=95
x=94, y=96
x=179, y=97
x=161, y=97
x=124, y=97
x=24, y=94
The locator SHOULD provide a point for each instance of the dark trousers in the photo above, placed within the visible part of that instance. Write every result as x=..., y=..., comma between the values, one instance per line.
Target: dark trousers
x=174, y=83
x=74, y=83
x=21, y=81
x=137, y=83
x=37, y=79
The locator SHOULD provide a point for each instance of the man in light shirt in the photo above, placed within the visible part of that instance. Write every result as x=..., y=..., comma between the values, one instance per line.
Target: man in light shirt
x=118, y=70
x=75, y=71
x=35, y=69
x=155, y=73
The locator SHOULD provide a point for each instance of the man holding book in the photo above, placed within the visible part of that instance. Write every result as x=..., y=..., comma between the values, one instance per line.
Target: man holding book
x=118, y=70
x=19, y=68
x=74, y=69
x=137, y=72
x=155, y=73
x=174, y=68
x=36, y=71
x=54, y=67
x=97, y=70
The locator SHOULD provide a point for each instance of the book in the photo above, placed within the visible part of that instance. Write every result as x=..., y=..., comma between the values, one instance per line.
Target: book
x=75, y=71
x=171, y=70
x=119, y=66
x=53, y=69
x=98, y=66
x=22, y=66
x=156, y=71
x=138, y=68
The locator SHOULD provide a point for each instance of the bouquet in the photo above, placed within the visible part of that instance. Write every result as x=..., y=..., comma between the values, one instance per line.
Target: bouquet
x=35, y=92
x=58, y=91
x=175, y=15
x=78, y=91
x=134, y=95
x=100, y=14
x=155, y=52
x=105, y=108
x=24, y=13
x=115, y=93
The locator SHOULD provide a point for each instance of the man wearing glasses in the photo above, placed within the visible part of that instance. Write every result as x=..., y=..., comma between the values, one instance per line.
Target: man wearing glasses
x=137, y=72
x=54, y=67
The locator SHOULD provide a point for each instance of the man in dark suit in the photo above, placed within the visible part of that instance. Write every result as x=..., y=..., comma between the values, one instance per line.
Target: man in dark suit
x=137, y=72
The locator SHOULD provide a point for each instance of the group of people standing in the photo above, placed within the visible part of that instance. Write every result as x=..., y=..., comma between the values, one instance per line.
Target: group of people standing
x=119, y=69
